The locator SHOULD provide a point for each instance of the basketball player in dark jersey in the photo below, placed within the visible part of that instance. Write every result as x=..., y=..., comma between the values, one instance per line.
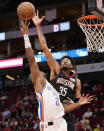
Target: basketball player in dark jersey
x=62, y=76
x=66, y=86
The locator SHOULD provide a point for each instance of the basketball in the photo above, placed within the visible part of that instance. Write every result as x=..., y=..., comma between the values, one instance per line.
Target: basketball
x=25, y=10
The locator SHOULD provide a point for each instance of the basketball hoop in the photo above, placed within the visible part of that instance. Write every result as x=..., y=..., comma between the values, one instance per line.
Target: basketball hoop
x=93, y=27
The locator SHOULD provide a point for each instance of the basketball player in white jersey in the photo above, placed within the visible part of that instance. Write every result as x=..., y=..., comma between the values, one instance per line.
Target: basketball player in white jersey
x=50, y=110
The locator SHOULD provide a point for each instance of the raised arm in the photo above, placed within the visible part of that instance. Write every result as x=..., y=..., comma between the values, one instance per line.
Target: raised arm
x=37, y=78
x=54, y=66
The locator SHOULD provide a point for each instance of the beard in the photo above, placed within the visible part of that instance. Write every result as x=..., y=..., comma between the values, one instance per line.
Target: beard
x=64, y=68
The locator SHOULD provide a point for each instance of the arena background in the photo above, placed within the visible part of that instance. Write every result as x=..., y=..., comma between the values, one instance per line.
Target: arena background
x=64, y=36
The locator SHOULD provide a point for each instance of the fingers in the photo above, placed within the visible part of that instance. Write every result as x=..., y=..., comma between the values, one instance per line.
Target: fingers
x=68, y=98
x=85, y=99
x=28, y=24
x=25, y=23
x=87, y=96
x=22, y=22
x=82, y=95
x=37, y=13
x=43, y=17
x=68, y=101
x=90, y=99
x=21, y=29
x=88, y=102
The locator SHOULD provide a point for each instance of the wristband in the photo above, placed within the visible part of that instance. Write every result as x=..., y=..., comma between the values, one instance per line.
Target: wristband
x=27, y=41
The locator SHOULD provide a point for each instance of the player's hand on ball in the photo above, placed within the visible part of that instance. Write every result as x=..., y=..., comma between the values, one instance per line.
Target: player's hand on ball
x=36, y=20
x=24, y=26
x=85, y=99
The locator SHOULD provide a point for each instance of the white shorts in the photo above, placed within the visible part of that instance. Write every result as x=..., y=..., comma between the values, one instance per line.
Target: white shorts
x=58, y=125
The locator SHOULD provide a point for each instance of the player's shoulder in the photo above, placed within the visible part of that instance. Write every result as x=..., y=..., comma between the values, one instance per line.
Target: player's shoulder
x=78, y=80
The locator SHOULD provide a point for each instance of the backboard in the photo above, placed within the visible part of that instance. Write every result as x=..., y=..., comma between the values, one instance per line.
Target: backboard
x=96, y=7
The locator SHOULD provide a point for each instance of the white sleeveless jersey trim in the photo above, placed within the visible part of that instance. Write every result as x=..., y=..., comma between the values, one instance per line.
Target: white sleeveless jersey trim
x=50, y=107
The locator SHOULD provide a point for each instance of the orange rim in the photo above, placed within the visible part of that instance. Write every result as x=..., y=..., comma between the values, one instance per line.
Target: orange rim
x=89, y=17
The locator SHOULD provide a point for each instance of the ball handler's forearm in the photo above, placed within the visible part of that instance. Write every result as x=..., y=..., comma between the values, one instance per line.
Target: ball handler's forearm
x=28, y=48
x=30, y=54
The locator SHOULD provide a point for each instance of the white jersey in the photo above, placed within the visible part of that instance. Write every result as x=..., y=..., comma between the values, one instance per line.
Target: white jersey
x=50, y=107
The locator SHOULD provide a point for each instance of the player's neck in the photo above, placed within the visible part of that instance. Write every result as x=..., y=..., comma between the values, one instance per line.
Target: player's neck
x=66, y=73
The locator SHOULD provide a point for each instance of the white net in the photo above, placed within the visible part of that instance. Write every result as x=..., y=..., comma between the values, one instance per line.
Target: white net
x=93, y=27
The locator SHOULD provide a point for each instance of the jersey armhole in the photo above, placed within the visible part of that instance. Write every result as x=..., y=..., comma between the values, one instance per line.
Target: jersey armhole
x=44, y=86
x=42, y=89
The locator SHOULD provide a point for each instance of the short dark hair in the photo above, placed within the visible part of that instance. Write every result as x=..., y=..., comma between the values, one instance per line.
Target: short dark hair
x=71, y=59
x=68, y=57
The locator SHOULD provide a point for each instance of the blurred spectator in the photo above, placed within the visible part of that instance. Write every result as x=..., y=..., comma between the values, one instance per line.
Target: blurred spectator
x=36, y=123
x=99, y=87
x=78, y=124
x=19, y=104
x=96, y=101
x=88, y=113
x=30, y=123
x=86, y=84
x=86, y=124
x=101, y=111
x=23, y=114
x=102, y=125
x=3, y=97
x=95, y=112
x=28, y=114
x=2, y=105
x=26, y=97
x=13, y=124
x=13, y=111
x=22, y=125
x=98, y=128
x=102, y=101
x=6, y=113
x=1, y=125
x=35, y=126
x=94, y=88
x=7, y=128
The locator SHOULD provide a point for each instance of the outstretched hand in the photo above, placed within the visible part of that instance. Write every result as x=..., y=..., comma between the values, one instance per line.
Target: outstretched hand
x=85, y=99
x=24, y=26
x=36, y=20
